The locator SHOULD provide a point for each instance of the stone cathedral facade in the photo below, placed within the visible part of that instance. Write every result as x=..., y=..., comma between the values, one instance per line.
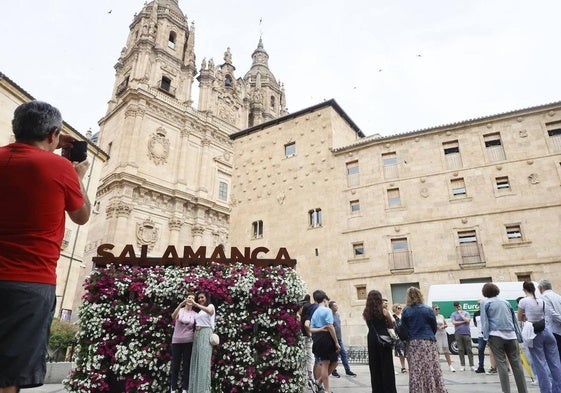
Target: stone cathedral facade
x=168, y=180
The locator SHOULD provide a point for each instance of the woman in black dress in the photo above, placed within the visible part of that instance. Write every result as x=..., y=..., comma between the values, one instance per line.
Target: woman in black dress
x=380, y=360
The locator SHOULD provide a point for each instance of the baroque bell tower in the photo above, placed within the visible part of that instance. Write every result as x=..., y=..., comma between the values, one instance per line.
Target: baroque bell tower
x=167, y=181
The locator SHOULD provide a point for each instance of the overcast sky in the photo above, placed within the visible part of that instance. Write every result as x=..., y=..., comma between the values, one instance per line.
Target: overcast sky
x=394, y=66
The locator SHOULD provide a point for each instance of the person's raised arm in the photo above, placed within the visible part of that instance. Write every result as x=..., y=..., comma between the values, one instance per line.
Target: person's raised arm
x=81, y=215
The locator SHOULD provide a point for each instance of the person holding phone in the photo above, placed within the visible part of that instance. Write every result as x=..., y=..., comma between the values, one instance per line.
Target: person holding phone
x=38, y=188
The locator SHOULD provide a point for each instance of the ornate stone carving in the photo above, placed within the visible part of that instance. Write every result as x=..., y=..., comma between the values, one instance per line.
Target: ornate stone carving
x=158, y=147
x=280, y=198
x=523, y=133
x=146, y=233
x=175, y=224
x=533, y=178
x=424, y=192
x=119, y=209
x=197, y=230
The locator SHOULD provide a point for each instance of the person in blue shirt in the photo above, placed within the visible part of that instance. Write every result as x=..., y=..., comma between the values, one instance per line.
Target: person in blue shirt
x=325, y=345
x=462, y=332
x=500, y=328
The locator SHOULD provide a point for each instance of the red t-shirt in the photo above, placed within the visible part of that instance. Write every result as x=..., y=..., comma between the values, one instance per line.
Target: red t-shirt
x=36, y=188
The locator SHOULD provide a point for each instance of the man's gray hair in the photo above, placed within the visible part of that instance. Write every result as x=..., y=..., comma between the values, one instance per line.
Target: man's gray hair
x=545, y=284
x=35, y=120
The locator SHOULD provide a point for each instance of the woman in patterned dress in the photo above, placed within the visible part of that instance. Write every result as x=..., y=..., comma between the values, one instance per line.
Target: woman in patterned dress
x=425, y=374
x=199, y=375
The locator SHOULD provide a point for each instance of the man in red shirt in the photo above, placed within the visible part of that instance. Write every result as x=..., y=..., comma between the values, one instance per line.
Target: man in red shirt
x=37, y=187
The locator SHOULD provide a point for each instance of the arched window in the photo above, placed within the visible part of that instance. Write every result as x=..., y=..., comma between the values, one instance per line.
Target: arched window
x=228, y=81
x=273, y=102
x=171, y=39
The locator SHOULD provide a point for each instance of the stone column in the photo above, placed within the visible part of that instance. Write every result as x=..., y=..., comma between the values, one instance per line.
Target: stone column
x=174, y=228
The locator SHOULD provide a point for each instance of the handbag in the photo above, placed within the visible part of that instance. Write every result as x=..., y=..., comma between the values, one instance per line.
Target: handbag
x=384, y=341
x=539, y=326
x=214, y=339
x=402, y=331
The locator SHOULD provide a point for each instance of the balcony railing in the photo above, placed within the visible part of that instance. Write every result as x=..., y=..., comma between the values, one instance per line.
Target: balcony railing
x=470, y=254
x=401, y=260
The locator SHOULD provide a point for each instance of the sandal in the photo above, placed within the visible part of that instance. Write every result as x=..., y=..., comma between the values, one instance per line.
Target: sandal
x=403, y=370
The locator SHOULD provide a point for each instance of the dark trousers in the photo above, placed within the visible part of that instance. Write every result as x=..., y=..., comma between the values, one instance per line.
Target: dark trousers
x=380, y=362
x=481, y=344
x=180, y=353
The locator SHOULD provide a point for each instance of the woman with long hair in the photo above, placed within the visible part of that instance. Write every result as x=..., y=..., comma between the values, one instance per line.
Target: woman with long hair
x=199, y=376
x=545, y=354
x=380, y=361
x=425, y=374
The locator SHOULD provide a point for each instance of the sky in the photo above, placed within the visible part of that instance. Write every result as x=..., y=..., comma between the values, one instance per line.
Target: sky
x=394, y=66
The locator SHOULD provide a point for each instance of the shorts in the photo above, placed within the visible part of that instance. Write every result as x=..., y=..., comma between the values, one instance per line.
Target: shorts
x=25, y=322
x=324, y=347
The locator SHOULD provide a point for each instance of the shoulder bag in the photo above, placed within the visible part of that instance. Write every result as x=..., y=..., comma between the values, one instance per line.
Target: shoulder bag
x=539, y=326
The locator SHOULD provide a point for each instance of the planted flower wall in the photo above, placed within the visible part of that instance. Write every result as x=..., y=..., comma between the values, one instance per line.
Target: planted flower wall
x=125, y=328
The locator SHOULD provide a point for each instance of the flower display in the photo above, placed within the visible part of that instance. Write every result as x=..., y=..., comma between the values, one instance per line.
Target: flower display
x=124, y=341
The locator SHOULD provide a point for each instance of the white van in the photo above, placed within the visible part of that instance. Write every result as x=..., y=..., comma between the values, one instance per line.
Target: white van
x=468, y=294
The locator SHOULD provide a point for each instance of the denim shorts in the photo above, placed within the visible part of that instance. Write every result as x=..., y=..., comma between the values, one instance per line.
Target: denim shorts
x=25, y=320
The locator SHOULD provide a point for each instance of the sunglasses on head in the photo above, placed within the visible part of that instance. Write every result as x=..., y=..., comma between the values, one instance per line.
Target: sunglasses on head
x=399, y=308
x=437, y=308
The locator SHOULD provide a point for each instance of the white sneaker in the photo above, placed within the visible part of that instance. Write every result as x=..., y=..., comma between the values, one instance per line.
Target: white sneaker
x=473, y=368
x=462, y=368
x=452, y=369
x=184, y=391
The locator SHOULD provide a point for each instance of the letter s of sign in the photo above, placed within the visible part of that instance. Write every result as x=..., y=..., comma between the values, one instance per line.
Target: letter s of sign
x=103, y=250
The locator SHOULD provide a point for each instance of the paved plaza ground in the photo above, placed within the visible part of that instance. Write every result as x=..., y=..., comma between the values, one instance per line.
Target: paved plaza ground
x=458, y=382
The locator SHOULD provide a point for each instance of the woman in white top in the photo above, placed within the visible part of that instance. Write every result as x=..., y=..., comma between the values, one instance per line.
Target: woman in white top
x=545, y=354
x=199, y=376
x=442, y=336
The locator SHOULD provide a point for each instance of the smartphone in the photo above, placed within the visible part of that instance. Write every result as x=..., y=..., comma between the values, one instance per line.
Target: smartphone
x=77, y=153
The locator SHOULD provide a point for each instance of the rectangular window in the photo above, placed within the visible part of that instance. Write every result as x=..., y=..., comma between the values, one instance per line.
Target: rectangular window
x=358, y=249
x=223, y=191
x=400, y=244
x=389, y=162
x=494, y=146
x=502, y=183
x=355, y=207
x=361, y=292
x=315, y=218
x=513, y=233
x=394, y=199
x=452, y=154
x=470, y=251
x=352, y=174
x=290, y=149
x=400, y=257
x=257, y=228
x=458, y=187
x=554, y=132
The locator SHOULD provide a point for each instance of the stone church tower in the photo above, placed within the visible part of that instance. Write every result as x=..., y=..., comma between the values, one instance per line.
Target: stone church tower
x=168, y=178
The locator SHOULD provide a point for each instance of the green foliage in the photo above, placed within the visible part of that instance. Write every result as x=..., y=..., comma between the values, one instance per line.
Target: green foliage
x=63, y=335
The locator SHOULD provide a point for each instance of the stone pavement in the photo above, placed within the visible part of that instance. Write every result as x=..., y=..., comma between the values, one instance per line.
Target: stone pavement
x=458, y=382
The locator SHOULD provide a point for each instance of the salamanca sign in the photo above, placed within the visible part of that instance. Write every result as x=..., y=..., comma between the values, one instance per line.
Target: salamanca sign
x=189, y=257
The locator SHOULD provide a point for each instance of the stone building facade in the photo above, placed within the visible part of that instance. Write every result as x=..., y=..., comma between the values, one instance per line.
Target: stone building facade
x=473, y=201
x=168, y=179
